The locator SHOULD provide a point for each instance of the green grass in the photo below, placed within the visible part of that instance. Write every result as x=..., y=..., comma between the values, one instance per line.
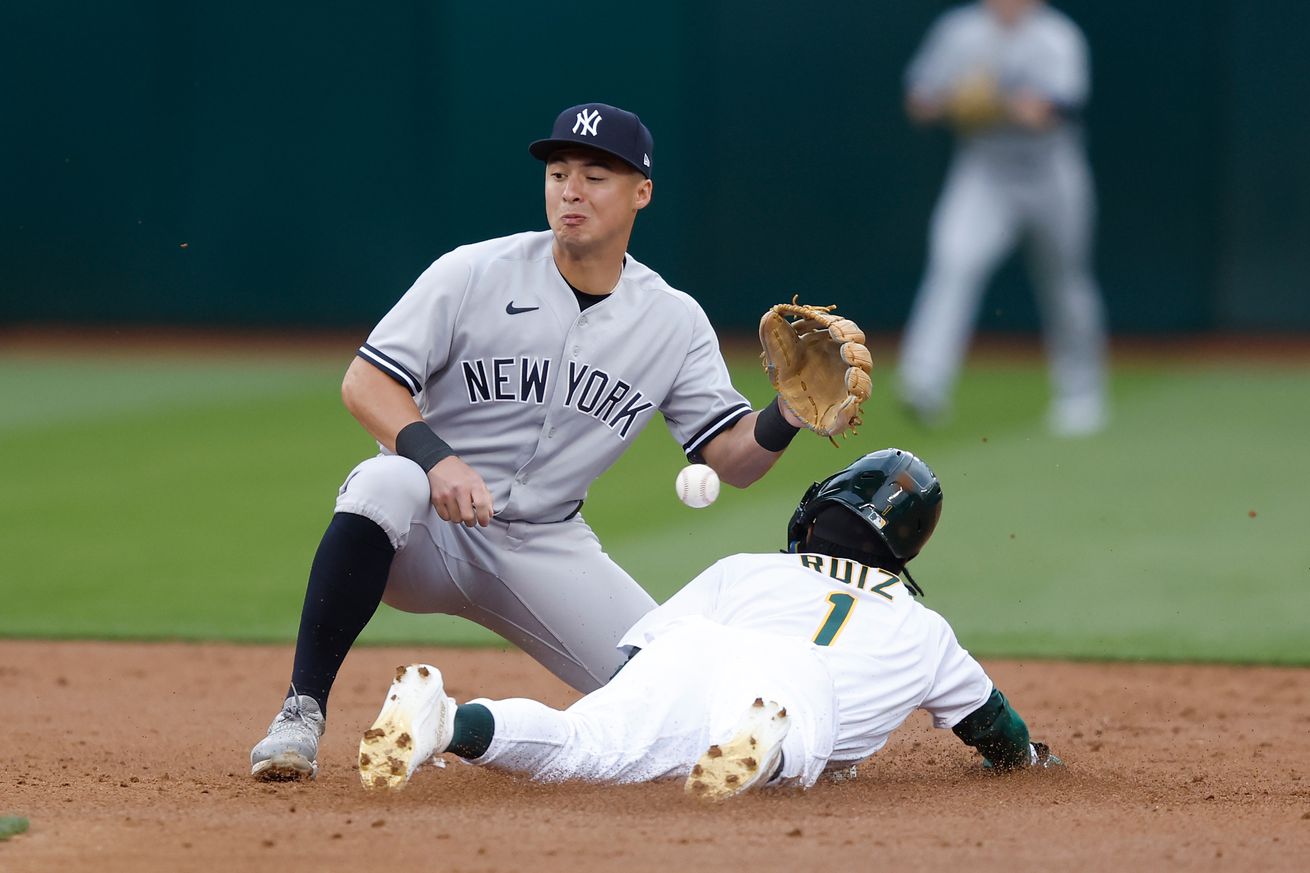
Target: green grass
x=183, y=498
x=12, y=826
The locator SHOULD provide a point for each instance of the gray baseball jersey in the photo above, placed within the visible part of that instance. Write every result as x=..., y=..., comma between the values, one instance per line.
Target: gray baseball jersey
x=539, y=396
x=1008, y=183
x=536, y=396
x=1044, y=52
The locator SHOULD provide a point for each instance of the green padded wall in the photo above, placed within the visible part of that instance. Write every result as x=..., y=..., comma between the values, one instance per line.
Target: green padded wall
x=299, y=164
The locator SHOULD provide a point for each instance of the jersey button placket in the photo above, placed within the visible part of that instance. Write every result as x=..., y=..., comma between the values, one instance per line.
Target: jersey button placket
x=579, y=324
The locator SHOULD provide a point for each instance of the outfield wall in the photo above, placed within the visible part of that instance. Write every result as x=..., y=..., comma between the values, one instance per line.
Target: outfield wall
x=252, y=164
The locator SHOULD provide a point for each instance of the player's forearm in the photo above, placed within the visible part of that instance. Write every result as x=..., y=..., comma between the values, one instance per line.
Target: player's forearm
x=377, y=402
x=736, y=454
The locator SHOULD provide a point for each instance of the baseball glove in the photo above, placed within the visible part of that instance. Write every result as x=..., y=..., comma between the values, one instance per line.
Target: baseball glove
x=975, y=103
x=817, y=363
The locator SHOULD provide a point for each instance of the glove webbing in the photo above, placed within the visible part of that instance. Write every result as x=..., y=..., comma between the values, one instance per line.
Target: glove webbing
x=801, y=310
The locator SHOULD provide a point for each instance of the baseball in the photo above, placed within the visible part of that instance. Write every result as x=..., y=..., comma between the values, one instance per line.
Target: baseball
x=697, y=485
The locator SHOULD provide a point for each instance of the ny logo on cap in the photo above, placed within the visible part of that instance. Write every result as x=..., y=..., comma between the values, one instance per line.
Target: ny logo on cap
x=587, y=121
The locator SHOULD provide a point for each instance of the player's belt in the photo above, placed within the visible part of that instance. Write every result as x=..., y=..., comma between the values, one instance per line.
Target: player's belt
x=575, y=511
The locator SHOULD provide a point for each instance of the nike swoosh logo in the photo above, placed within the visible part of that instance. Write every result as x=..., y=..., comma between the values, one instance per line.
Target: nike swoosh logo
x=511, y=309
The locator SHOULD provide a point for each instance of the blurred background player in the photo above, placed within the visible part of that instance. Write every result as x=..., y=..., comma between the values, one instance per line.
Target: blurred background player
x=765, y=669
x=1010, y=77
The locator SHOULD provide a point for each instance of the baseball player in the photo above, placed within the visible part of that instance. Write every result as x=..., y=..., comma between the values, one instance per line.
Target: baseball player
x=764, y=670
x=512, y=374
x=1011, y=78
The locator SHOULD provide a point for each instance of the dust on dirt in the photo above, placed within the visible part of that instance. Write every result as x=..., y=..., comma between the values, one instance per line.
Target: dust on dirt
x=135, y=757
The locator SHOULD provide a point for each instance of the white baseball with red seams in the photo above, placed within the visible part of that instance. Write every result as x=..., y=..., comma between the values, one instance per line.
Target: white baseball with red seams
x=697, y=485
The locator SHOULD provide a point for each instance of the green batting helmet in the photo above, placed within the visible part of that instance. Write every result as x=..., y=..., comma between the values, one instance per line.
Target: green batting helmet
x=893, y=491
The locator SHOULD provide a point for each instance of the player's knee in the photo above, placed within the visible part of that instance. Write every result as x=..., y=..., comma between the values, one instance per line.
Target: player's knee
x=391, y=491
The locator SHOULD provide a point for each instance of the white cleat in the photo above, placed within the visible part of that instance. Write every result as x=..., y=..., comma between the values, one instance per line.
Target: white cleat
x=749, y=758
x=1077, y=417
x=417, y=721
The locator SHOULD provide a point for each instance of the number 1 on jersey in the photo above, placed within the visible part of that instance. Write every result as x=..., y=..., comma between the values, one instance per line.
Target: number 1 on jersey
x=842, y=604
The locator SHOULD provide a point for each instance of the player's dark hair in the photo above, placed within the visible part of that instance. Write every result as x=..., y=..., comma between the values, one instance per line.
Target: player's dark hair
x=841, y=533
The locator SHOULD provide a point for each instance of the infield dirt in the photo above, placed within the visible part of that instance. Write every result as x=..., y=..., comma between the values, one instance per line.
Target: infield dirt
x=134, y=757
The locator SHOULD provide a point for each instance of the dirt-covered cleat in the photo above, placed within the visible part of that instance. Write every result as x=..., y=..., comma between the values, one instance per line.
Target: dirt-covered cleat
x=842, y=772
x=416, y=722
x=750, y=757
x=290, y=751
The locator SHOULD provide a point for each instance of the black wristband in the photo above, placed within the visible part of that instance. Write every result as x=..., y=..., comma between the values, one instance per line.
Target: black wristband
x=772, y=431
x=417, y=442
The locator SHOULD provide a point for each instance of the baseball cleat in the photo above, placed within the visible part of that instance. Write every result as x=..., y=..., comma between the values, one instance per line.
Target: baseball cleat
x=1077, y=417
x=749, y=758
x=290, y=751
x=843, y=772
x=416, y=722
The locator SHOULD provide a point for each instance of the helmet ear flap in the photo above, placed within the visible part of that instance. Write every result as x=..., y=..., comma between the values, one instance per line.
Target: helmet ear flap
x=801, y=517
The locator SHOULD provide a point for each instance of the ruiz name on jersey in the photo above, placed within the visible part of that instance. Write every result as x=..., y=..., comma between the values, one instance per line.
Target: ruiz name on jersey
x=591, y=390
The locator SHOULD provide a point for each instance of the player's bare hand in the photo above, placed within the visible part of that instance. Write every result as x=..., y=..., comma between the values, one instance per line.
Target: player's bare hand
x=1031, y=110
x=459, y=494
x=790, y=417
x=923, y=109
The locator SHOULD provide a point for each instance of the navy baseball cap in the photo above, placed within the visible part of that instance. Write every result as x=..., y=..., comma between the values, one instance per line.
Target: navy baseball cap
x=603, y=127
